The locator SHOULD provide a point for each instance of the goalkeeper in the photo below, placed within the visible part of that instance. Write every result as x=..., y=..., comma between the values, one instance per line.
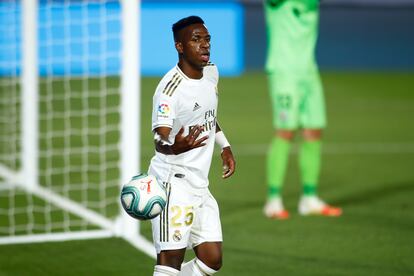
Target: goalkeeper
x=297, y=100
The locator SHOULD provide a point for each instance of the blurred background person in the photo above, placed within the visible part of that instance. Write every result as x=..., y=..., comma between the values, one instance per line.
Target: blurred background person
x=297, y=101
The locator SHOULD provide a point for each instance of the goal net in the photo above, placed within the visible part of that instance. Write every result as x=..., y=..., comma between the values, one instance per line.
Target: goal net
x=69, y=118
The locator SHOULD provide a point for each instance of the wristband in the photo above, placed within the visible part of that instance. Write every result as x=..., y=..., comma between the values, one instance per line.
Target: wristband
x=158, y=139
x=221, y=140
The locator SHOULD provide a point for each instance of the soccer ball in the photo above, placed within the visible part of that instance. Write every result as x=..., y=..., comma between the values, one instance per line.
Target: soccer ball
x=143, y=197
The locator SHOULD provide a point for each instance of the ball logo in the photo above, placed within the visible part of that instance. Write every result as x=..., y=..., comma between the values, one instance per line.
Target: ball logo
x=143, y=197
x=147, y=185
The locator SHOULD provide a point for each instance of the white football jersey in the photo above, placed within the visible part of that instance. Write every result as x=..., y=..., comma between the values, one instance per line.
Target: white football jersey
x=183, y=102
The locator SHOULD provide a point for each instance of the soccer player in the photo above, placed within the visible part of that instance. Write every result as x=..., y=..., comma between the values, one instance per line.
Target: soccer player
x=184, y=122
x=298, y=103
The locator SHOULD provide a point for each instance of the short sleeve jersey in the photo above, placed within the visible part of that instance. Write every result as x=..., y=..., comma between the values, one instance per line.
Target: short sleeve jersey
x=183, y=102
x=292, y=29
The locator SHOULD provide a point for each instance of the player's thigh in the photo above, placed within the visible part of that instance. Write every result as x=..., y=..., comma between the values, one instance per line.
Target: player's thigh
x=285, y=98
x=172, y=228
x=313, y=110
x=207, y=225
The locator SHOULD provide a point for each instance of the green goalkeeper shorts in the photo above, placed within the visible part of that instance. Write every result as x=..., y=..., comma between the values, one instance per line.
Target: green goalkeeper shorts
x=297, y=101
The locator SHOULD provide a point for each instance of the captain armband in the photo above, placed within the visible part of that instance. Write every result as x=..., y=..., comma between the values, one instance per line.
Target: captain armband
x=221, y=140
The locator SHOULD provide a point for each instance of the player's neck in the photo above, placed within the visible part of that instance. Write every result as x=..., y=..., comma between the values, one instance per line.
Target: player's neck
x=190, y=71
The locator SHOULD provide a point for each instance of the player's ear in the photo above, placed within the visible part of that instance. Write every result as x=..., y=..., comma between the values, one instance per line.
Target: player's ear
x=179, y=47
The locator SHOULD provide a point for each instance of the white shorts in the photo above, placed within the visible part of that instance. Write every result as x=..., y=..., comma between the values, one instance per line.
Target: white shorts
x=188, y=219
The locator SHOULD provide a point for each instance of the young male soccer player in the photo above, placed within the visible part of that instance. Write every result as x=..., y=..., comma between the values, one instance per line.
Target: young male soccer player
x=184, y=122
x=298, y=103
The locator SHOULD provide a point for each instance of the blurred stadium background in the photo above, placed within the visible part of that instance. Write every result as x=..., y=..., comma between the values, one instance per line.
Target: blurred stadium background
x=365, y=51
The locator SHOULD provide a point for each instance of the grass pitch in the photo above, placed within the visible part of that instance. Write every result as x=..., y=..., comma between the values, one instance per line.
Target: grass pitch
x=368, y=158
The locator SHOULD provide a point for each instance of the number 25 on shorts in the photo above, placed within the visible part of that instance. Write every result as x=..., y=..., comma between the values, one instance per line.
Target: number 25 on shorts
x=181, y=215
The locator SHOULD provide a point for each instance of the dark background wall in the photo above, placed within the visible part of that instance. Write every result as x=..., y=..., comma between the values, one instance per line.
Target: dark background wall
x=370, y=35
x=354, y=34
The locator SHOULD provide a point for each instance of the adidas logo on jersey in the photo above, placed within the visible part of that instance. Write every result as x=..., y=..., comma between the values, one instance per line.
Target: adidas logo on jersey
x=196, y=106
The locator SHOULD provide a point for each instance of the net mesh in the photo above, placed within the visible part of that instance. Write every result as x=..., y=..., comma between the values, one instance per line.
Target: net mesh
x=79, y=97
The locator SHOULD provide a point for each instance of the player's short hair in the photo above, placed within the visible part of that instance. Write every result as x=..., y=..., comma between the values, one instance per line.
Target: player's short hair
x=185, y=22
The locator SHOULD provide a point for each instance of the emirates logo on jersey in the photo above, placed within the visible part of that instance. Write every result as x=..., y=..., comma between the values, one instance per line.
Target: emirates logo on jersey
x=210, y=121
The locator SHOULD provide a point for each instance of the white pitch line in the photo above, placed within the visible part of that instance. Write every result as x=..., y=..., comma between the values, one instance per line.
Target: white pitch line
x=336, y=148
x=330, y=148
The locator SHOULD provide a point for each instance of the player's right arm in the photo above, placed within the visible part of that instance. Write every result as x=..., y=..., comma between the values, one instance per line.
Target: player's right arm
x=166, y=107
x=181, y=143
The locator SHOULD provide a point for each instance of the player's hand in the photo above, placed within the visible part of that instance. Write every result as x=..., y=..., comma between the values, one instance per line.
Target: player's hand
x=185, y=143
x=229, y=164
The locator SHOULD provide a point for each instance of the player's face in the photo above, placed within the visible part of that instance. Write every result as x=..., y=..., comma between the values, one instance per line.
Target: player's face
x=195, y=45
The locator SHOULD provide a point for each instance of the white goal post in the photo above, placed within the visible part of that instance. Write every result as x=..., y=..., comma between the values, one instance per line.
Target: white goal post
x=69, y=120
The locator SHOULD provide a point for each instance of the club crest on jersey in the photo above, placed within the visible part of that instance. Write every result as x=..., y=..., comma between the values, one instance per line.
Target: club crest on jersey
x=177, y=236
x=163, y=110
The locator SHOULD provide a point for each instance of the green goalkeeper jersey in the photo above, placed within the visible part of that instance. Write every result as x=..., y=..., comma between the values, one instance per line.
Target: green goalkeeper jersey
x=292, y=29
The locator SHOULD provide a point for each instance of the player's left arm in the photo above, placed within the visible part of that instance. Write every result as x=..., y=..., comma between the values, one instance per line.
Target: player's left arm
x=229, y=163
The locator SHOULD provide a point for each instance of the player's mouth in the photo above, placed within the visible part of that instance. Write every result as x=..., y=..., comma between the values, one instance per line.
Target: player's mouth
x=205, y=57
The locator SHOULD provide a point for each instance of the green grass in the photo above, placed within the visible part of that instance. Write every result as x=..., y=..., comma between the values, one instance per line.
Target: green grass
x=367, y=169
